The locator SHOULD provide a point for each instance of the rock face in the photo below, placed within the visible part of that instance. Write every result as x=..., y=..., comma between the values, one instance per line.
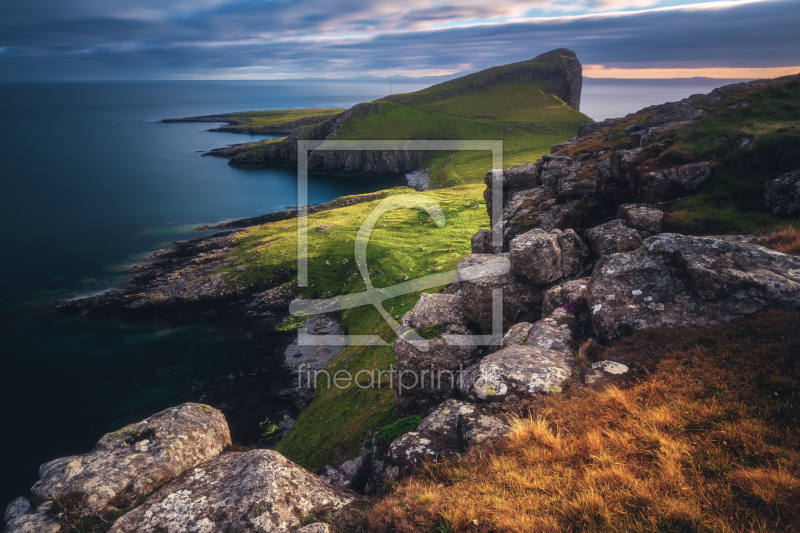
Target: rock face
x=651, y=185
x=38, y=521
x=131, y=463
x=521, y=301
x=543, y=257
x=443, y=435
x=675, y=280
x=255, y=491
x=424, y=379
x=642, y=217
x=782, y=195
x=516, y=371
x=614, y=237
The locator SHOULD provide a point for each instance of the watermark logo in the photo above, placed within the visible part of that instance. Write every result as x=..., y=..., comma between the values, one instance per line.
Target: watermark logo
x=376, y=296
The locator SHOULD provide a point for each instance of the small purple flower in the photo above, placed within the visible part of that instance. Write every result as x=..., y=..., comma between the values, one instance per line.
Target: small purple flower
x=573, y=306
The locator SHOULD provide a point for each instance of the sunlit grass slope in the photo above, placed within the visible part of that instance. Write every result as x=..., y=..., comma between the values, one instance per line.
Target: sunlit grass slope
x=282, y=116
x=408, y=244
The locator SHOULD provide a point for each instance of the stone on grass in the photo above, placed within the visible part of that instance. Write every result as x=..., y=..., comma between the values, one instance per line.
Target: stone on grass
x=782, y=195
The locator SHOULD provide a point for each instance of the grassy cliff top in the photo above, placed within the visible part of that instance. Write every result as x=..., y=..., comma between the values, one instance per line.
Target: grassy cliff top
x=281, y=116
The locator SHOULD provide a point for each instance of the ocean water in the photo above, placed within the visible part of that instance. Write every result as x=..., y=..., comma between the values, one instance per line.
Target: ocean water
x=92, y=183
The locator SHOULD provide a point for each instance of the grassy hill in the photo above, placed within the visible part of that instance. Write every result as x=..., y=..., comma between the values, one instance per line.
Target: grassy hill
x=281, y=116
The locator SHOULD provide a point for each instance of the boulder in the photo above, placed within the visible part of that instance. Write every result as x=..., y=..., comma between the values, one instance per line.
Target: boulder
x=604, y=374
x=553, y=299
x=255, y=491
x=517, y=334
x=18, y=507
x=127, y=465
x=622, y=161
x=575, y=214
x=614, y=237
x=642, y=217
x=522, y=176
x=442, y=435
x=345, y=475
x=423, y=379
x=481, y=242
x=553, y=169
x=575, y=290
x=521, y=301
x=574, y=252
x=536, y=255
x=676, y=280
x=38, y=521
x=554, y=332
x=782, y=195
x=488, y=193
x=515, y=372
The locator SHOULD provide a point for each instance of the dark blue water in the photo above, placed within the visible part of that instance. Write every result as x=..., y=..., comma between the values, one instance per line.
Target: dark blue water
x=91, y=183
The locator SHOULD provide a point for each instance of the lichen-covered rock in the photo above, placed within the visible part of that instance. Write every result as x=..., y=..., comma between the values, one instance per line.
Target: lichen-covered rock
x=317, y=527
x=575, y=290
x=553, y=299
x=442, y=435
x=574, y=252
x=536, y=255
x=516, y=371
x=553, y=169
x=782, y=195
x=127, y=465
x=18, y=507
x=622, y=161
x=37, y=521
x=418, y=392
x=642, y=217
x=604, y=374
x=345, y=475
x=255, y=491
x=487, y=272
x=554, y=332
x=675, y=280
x=614, y=237
x=517, y=334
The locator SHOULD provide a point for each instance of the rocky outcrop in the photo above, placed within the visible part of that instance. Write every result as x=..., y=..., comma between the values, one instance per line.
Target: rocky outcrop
x=615, y=237
x=34, y=521
x=521, y=301
x=443, y=435
x=543, y=257
x=675, y=280
x=782, y=195
x=131, y=463
x=424, y=378
x=642, y=217
x=255, y=491
x=516, y=372
x=652, y=185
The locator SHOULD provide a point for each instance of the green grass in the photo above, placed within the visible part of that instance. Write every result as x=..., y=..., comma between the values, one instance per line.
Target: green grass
x=527, y=120
x=730, y=201
x=410, y=244
x=282, y=116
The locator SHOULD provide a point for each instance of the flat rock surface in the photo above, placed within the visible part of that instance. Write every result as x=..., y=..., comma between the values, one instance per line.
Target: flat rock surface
x=129, y=464
x=256, y=491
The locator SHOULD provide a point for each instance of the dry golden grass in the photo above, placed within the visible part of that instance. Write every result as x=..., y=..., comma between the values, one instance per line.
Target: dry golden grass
x=707, y=442
x=786, y=240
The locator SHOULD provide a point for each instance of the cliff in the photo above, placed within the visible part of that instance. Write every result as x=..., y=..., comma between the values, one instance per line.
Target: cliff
x=445, y=111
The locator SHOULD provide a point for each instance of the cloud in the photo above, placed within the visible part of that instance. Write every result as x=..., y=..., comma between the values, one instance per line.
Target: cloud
x=90, y=39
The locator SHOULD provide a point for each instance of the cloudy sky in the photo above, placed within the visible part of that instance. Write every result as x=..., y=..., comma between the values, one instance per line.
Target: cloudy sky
x=260, y=39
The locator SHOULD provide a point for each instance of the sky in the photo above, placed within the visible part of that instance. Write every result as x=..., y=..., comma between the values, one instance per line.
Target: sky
x=274, y=39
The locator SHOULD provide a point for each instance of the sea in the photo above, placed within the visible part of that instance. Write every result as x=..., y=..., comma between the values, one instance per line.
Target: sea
x=92, y=183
